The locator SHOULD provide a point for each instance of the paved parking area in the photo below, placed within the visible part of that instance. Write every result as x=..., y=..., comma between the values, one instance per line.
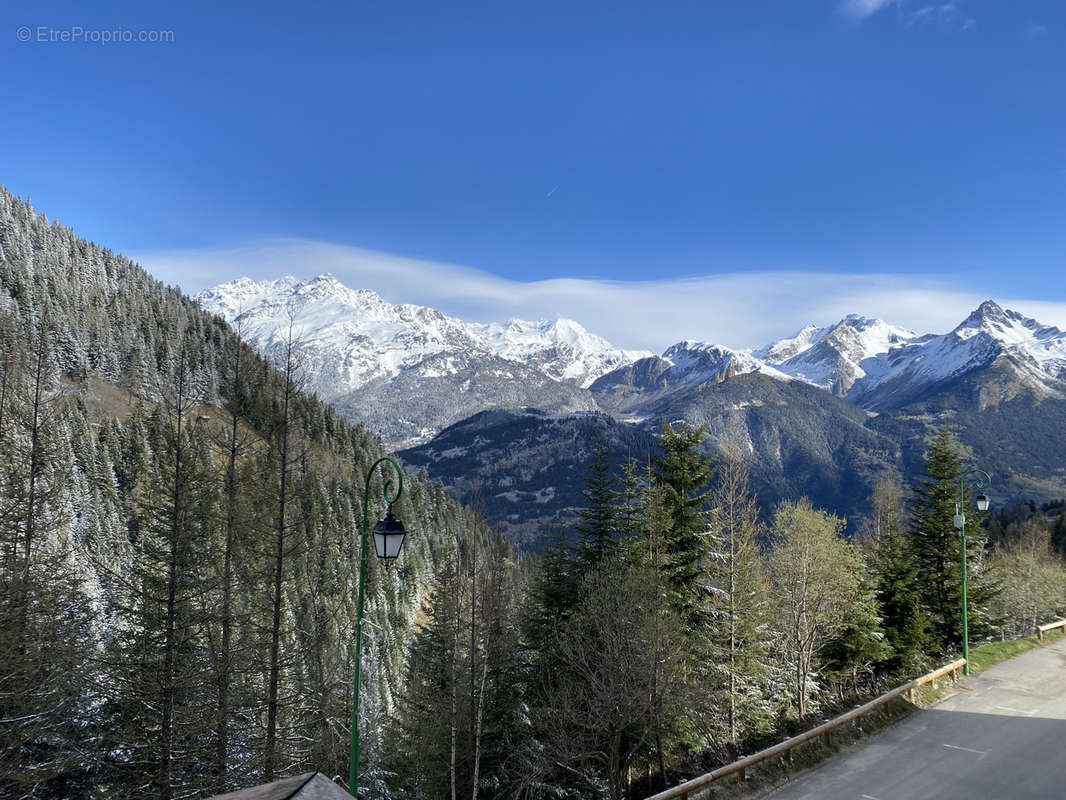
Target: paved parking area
x=1001, y=734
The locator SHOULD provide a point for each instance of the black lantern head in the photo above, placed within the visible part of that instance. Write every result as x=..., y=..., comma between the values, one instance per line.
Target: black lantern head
x=389, y=534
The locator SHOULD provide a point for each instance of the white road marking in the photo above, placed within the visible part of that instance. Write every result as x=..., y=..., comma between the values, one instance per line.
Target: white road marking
x=868, y=797
x=981, y=753
x=1018, y=710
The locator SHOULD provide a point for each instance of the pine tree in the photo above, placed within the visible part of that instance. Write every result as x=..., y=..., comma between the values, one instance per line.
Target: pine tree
x=685, y=475
x=628, y=509
x=649, y=552
x=157, y=656
x=860, y=644
x=936, y=545
x=1058, y=533
x=552, y=595
x=424, y=719
x=449, y=743
x=45, y=615
x=896, y=585
x=597, y=521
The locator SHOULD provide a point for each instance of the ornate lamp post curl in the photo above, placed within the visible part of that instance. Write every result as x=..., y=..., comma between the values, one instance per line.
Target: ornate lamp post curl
x=982, y=481
x=389, y=536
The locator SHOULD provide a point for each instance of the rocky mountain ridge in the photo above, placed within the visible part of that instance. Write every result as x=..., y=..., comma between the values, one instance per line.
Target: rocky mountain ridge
x=517, y=407
x=355, y=340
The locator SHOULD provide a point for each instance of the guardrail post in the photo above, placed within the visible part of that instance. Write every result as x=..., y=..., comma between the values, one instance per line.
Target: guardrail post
x=788, y=754
x=742, y=775
x=1039, y=635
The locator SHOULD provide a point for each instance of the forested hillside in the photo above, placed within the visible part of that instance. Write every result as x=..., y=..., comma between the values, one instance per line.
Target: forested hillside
x=178, y=523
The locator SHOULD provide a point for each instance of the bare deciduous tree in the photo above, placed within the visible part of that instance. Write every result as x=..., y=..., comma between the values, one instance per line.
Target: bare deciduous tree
x=621, y=652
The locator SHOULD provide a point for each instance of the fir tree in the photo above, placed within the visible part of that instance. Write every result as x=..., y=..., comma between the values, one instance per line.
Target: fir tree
x=896, y=585
x=157, y=657
x=597, y=521
x=685, y=475
x=45, y=616
x=860, y=644
x=936, y=546
x=649, y=553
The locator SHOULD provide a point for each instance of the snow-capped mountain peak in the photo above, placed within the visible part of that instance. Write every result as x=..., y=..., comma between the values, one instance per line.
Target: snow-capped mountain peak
x=784, y=349
x=355, y=336
x=702, y=361
x=832, y=357
x=562, y=348
x=1017, y=334
x=354, y=339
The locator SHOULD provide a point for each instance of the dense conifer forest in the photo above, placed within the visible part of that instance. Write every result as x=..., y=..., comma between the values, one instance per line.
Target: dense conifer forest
x=178, y=523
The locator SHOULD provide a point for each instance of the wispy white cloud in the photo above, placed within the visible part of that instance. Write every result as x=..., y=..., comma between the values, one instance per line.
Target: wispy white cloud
x=861, y=9
x=944, y=15
x=743, y=309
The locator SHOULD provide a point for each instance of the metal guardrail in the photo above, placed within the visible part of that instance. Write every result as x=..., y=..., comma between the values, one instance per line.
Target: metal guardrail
x=1042, y=629
x=740, y=767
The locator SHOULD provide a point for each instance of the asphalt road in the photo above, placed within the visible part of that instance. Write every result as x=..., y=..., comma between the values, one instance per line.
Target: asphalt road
x=1001, y=735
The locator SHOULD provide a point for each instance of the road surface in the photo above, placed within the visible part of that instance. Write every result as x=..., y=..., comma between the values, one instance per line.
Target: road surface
x=1000, y=735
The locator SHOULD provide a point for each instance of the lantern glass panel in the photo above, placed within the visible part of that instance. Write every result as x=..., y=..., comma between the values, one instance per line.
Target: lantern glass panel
x=389, y=535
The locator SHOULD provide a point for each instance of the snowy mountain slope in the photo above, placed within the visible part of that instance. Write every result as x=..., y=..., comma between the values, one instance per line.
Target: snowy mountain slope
x=413, y=406
x=784, y=349
x=407, y=371
x=646, y=384
x=1034, y=353
x=356, y=347
x=352, y=337
x=347, y=337
x=868, y=362
x=561, y=348
x=833, y=357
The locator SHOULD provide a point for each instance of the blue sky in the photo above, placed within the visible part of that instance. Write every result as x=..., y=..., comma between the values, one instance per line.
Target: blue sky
x=532, y=142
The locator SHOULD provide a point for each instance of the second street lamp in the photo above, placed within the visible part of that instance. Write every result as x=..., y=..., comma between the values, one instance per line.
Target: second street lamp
x=983, y=480
x=389, y=535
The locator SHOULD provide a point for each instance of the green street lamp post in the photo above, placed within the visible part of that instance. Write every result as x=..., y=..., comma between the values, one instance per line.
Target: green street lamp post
x=389, y=535
x=983, y=481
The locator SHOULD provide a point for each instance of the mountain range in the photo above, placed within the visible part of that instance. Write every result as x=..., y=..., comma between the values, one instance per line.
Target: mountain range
x=822, y=413
x=408, y=371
